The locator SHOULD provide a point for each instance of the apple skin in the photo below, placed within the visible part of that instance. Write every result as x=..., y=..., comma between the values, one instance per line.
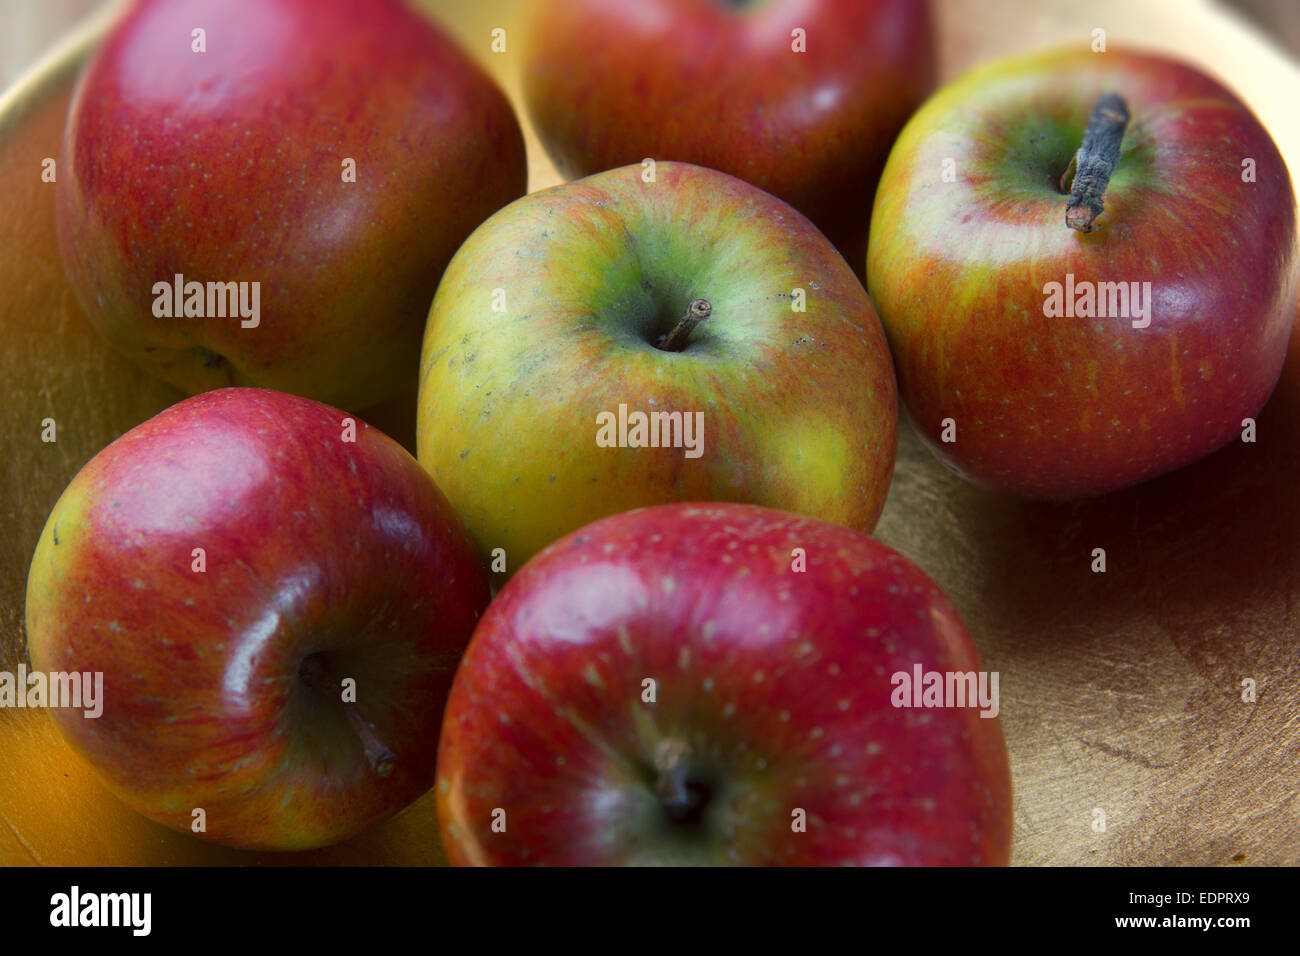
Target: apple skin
x=313, y=546
x=779, y=681
x=608, y=83
x=227, y=166
x=800, y=408
x=1059, y=408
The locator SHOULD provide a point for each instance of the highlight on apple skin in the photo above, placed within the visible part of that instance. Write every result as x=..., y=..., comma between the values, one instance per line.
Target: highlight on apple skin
x=1055, y=363
x=326, y=158
x=715, y=684
x=276, y=596
x=656, y=290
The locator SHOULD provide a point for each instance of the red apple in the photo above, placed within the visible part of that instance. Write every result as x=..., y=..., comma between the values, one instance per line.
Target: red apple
x=724, y=84
x=717, y=684
x=227, y=566
x=226, y=157
x=1054, y=363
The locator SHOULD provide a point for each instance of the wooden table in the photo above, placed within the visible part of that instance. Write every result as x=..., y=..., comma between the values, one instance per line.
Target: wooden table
x=1121, y=692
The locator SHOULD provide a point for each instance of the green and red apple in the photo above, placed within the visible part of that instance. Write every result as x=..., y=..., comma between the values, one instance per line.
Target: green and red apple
x=716, y=684
x=1055, y=363
x=802, y=98
x=276, y=596
x=651, y=334
x=322, y=160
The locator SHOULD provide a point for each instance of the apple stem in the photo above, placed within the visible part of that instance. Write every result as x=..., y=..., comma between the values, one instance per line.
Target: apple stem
x=1095, y=161
x=670, y=786
x=696, y=312
x=316, y=676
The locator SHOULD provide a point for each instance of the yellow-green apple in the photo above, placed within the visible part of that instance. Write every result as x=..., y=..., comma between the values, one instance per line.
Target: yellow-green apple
x=802, y=98
x=1053, y=362
x=722, y=684
x=651, y=334
x=265, y=192
x=276, y=596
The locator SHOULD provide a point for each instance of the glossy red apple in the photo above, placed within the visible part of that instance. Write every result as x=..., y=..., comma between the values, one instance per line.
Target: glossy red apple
x=1054, y=363
x=723, y=83
x=336, y=153
x=227, y=566
x=716, y=684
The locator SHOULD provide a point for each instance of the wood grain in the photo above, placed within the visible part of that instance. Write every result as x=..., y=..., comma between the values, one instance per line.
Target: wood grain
x=1120, y=691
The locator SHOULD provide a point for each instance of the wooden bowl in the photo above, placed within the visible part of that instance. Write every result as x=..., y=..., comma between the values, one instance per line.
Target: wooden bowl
x=1121, y=692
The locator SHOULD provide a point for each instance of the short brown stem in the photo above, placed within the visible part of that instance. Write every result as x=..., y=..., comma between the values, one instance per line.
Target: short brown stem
x=317, y=676
x=676, y=340
x=1094, y=162
x=670, y=785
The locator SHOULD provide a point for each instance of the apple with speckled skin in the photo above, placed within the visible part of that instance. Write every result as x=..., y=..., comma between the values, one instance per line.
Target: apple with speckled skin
x=334, y=153
x=1054, y=363
x=802, y=98
x=711, y=684
x=228, y=565
x=561, y=319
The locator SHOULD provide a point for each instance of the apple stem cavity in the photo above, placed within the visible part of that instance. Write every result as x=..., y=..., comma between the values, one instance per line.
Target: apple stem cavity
x=680, y=800
x=317, y=676
x=1091, y=166
x=677, y=339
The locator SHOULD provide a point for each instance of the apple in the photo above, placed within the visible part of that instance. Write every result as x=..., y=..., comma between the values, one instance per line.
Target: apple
x=719, y=684
x=574, y=324
x=1055, y=363
x=276, y=596
x=808, y=116
x=265, y=192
